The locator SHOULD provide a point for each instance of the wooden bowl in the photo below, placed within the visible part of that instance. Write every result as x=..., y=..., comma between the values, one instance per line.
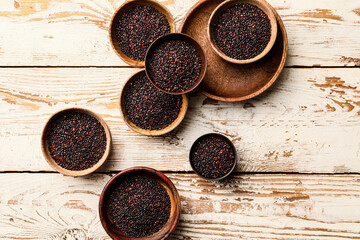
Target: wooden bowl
x=169, y=226
x=172, y=126
x=121, y=10
x=192, y=149
x=264, y=6
x=226, y=81
x=45, y=143
x=184, y=37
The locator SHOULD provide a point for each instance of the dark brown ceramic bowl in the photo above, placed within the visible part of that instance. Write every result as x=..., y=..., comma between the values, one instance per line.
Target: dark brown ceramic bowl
x=265, y=7
x=193, y=148
x=123, y=8
x=184, y=37
x=45, y=143
x=169, y=226
x=172, y=126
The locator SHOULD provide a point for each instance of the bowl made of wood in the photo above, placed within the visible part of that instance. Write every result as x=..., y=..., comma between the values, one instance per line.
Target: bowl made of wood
x=226, y=81
x=191, y=41
x=172, y=126
x=120, y=11
x=192, y=149
x=169, y=226
x=264, y=6
x=45, y=143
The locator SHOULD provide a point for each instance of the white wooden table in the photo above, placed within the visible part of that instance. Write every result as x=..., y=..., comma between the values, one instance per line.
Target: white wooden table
x=298, y=174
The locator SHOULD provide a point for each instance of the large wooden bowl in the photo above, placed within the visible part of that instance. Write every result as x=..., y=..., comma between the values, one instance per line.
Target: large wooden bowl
x=264, y=6
x=169, y=226
x=45, y=143
x=190, y=40
x=229, y=82
x=119, y=12
x=172, y=126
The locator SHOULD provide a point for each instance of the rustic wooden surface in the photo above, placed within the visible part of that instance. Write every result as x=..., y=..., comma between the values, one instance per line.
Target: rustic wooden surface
x=298, y=174
x=307, y=122
x=244, y=207
x=74, y=32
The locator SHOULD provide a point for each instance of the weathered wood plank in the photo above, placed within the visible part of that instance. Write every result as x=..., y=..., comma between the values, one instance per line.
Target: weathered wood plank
x=244, y=207
x=75, y=32
x=307, y=122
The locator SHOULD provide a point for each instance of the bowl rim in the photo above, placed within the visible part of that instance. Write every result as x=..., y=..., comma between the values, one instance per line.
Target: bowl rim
x=207, y=135
x=131, y=125
x=190, y=40
x=151, y=171
x=261, y=4
x=52, y=162
x=112, y=37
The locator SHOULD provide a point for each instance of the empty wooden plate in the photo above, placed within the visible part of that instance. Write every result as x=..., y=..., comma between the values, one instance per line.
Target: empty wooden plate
x=225, y=81
x=172, y=126
x=169, y=226
x=45, y=143
x=120, y=11
x=261, y=4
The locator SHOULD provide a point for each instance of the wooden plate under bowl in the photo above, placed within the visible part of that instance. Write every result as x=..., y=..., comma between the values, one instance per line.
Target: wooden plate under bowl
x=230, y=82
x=172, y=126
x=45, y=143
x=261, y=4
x=123, y=8
x=169, y=226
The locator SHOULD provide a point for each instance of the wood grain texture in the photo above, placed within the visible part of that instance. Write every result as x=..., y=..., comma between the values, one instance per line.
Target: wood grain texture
x=244, y=207
x=75, y=32
x=307, y=122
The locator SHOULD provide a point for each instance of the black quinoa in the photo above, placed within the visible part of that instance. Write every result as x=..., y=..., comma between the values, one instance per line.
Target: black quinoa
x=174, y=65
x=77, y=141
x=148, y=107
x=242, y=31
x=139, y=206
x=213, y=156
x=137, y=28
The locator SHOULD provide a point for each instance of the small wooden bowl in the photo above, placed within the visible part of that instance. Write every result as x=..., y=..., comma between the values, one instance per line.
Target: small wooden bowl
x=169, y=226
x=45, y=143
x=120, y=11
x=184, y=37
x=192, y=149
x=264, y=6
x=172, y=126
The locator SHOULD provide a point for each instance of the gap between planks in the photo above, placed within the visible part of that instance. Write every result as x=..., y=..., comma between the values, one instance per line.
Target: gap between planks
x=191, y=172
x=95, y=66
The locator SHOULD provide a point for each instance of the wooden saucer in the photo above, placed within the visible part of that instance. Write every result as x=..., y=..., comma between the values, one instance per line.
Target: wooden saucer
x=230, y=82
